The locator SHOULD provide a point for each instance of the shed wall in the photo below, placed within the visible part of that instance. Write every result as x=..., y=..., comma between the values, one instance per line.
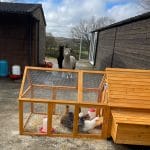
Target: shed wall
x=13, y=41
x=42, y=34
x=22, y=38
x=131, y=48
x=105, y=48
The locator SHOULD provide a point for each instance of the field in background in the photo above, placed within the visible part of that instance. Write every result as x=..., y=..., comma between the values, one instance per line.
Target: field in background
x=52, y=46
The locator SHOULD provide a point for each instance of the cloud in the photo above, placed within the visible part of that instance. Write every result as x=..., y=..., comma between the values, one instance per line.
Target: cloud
x=121, y=12
x=68, y=13
x=7, y=0
x=62, y=15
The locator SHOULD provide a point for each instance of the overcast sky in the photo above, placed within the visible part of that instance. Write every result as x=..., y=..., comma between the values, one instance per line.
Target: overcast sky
x=61, y=15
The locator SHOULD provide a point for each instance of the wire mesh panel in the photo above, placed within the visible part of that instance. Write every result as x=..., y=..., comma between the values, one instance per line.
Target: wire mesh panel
x=33, y=114
x=91, y=86
x=90, y=121
x=53, y=78
x=52, y=102
x=27, y=87
x=51, y=85
x=62, y=119
x=41, y=93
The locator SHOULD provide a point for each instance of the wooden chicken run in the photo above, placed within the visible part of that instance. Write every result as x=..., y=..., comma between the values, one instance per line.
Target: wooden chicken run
x=79, y=103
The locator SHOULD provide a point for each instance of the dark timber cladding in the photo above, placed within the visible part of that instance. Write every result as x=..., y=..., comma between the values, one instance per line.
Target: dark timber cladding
x=22, y=33
x=125, y=44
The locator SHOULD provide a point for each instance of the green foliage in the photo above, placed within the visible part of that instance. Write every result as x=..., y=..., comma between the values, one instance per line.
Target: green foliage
x=53, y=43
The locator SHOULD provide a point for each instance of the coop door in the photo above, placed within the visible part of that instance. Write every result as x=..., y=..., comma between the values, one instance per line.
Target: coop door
x=92, y=52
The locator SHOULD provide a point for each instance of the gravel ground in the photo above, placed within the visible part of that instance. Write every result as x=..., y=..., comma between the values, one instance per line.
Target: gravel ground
x=11, y=140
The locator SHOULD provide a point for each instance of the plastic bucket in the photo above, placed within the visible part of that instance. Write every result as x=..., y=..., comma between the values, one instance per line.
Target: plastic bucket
x=16, y=70
x=3, y=68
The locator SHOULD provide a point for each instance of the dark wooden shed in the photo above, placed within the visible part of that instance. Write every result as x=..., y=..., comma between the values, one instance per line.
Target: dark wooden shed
x=125, y=44
x=22, y=33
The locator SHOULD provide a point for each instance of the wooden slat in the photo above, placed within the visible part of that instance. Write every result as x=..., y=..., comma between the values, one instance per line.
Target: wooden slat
x=130, y=93
x=128, y=83
x=130, y=102
x=130, y=97
x=127, y=70
x=26, y=91
x=23, y=82
x=114, y=127
x=80, y=86
x=50, y=69
x=130, y=117
x=106, y=122
x=49, y=117
x=129, y=75
x=129, y=89
x=56, y=87
x=131, y=79
x=62, y=87
x=21, y=130
x=27, y=120
x=94, y=71
x=84, y=104
x=128, y=86
x=64, y=70
x=75, y=121
x=128, y=105
x=32, y=91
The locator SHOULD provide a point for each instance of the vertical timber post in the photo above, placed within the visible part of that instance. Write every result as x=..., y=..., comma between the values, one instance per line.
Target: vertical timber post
x=21, y=117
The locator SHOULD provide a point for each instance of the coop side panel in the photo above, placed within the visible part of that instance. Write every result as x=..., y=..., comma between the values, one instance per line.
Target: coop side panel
x=105, y=48
x=132, y=45
x=133, y=134
x=114, y=130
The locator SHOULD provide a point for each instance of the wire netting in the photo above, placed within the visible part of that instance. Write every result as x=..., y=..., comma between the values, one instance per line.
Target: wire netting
x=91, y=85
x=51, y=85
x=58, y=85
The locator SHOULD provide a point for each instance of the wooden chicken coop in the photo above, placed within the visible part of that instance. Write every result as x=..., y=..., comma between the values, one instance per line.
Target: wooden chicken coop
x=44, y=94
x=129, y=102
x=120, y=98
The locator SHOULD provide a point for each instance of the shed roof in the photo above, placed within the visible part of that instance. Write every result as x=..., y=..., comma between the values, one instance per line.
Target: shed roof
x=126, y=21
x=20, y=8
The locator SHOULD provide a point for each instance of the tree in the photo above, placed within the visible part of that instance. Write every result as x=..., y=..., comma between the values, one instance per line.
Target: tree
x=50, y=41
x=51, y=44
x=83, y=29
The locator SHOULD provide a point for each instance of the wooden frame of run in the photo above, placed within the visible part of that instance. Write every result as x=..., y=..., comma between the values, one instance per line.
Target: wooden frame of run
x=100, y=105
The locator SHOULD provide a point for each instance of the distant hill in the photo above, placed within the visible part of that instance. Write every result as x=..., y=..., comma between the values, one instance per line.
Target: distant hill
x=73, y=43
x=54, y=42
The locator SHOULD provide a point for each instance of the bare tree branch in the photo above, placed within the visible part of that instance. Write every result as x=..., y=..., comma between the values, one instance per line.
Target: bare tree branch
x=86, y=26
